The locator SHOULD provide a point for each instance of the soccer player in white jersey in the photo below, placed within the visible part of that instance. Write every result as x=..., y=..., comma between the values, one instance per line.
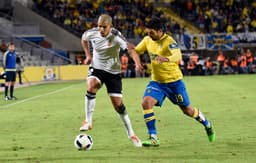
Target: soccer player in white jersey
x=105, y=68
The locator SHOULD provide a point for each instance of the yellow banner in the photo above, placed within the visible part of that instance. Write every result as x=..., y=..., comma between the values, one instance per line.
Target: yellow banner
x=67, y=72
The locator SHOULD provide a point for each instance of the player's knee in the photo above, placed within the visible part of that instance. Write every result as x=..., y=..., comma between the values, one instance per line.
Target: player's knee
x=120, y=109
x=147, y=103
x=90, y=95
x=187, y=110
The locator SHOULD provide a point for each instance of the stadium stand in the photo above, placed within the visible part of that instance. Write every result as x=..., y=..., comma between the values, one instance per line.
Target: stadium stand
x=27, y=38
x=182, y=18
x=218, y=15
x=27, y=46
x=76, y=17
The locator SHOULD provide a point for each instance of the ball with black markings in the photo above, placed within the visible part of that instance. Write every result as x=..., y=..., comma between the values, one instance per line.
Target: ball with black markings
x=83, y=142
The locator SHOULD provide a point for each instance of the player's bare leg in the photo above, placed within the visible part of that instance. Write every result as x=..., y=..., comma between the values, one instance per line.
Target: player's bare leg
x=198, y=115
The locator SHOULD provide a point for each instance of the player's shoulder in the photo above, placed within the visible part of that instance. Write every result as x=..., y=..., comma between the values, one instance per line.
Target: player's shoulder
x=147, y=39
x=90, y=33
x=92, y=30
x=172, y=43
x=115, y=32
x=169, y=37
x=6, y=52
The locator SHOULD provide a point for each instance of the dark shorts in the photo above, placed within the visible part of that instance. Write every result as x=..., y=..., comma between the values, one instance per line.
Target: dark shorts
x=113, y=82
x=175, y=92
x=10, y=76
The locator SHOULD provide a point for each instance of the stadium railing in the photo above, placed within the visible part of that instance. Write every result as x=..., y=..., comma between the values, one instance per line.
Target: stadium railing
x=47, y=56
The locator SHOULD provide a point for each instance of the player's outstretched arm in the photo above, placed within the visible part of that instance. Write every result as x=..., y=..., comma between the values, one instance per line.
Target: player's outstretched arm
x=135, y=57
x=176, y=55
x=87, y=52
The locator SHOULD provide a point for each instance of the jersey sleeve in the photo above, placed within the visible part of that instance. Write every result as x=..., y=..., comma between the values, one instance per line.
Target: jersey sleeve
x=123, y=43
x=88, y=34
x=141, y=47
x=121, y=39
x=85, y=36
x=175, y=52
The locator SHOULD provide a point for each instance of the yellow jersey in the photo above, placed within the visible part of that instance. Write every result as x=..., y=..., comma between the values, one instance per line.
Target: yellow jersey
x=166, y=46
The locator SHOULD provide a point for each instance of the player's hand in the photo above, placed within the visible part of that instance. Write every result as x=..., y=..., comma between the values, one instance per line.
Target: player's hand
x=139, y=68
x=131, y=46
x=161, y=59
x=88, y=60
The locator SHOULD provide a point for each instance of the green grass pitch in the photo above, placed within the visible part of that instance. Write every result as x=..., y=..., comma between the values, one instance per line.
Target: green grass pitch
x=42, y=124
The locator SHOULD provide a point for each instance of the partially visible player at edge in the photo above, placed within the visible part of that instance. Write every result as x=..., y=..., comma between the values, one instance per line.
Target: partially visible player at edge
x=9, y=65
x=166, y=80
x=105, y=68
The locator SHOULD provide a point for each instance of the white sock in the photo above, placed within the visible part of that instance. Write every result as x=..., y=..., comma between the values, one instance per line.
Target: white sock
x=127, y=123
x=153, y=136
x=89, y=108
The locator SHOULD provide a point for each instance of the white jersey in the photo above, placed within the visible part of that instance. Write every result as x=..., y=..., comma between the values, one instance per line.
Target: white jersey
x=106, y=49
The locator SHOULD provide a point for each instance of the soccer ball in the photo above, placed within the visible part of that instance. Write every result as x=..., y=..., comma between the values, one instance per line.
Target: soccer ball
x=83, y=142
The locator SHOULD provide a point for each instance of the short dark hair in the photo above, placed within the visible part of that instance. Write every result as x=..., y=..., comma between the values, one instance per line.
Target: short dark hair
x=155, y=23
x=10, y=43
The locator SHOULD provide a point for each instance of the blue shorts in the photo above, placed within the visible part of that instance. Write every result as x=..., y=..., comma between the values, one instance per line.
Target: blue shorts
x=175, y=91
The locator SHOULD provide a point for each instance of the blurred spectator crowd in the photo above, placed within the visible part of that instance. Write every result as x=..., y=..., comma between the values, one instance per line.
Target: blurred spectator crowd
x=243, y=62
x=129, y=16
x=221, y=16
x=79, y=15
x=192, y=64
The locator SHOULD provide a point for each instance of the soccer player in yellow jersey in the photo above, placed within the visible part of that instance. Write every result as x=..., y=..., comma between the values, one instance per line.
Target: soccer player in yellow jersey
x=166, y=80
